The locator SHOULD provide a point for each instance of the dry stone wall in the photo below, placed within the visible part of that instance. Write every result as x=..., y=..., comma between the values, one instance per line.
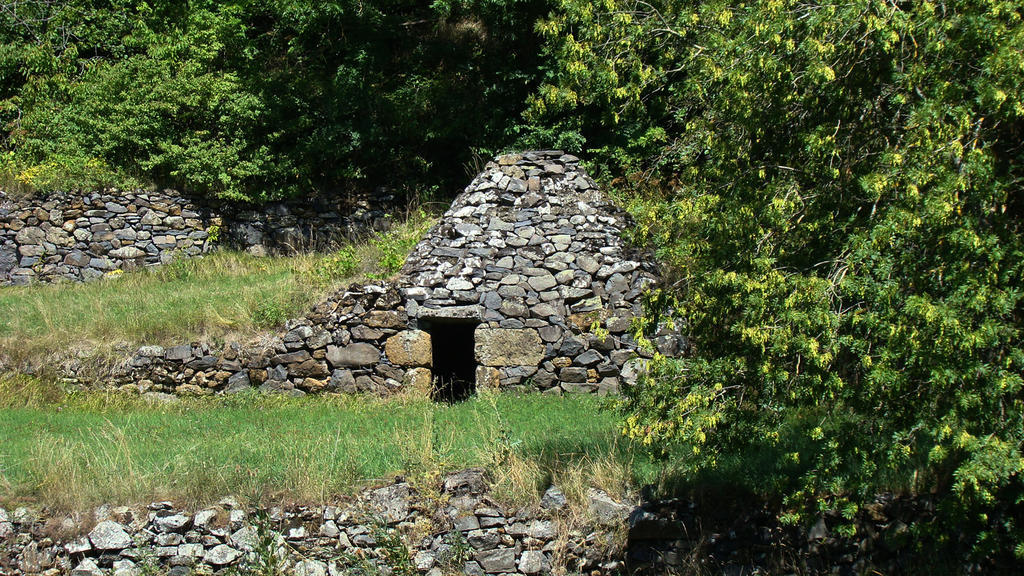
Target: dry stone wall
x=84, y=237
x=526, y=283
x=460, y=530
x=78, y=237
x=314, y=222
x=385, y=529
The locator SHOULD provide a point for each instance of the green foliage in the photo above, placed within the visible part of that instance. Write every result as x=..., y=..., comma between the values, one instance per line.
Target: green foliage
x=393, y=551
x=269, y=312
x=254, y=100
x=342, y=263
x=393, y=247
x=834, y=191
x=266, y=559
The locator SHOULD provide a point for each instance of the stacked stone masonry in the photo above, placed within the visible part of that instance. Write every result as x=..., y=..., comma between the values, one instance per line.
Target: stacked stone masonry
x=461, y=529
x=84, y=237
x=79, y=237
x=528, y=263
x=464, y=531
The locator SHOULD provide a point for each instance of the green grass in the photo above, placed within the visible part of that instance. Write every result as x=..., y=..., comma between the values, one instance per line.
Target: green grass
x=75, y=450
x=225, y=293
x=72, y=449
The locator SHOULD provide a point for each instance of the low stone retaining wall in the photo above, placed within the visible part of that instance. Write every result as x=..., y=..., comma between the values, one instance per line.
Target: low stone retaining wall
x=84, y=237
x=318, y=222
x=77, y=237
x=392, y=528
x=397, y=529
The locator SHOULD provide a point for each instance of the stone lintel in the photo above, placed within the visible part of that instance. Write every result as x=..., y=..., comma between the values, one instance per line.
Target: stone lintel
x=467, y=313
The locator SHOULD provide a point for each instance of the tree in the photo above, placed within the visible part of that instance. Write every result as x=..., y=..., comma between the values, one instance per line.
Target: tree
x=835, y=190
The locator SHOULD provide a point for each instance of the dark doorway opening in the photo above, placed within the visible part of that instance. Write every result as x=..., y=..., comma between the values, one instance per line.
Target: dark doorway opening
x=452, y=346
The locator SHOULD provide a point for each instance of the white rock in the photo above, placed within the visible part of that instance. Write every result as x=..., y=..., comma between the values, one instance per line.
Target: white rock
x=191, y=550
x=310, y=568
x=424, y=560
x=203, y=518
x=173, y=523
x=109, y=535
x=87, y=568
x=237, y=518
x=329, y=529
x=533, y=562
x=244, y=539
x=221, y=555
x=459, y=284
x=78, y=545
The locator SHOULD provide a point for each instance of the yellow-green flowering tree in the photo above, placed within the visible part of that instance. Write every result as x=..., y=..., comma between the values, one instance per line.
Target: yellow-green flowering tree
x=836, y=192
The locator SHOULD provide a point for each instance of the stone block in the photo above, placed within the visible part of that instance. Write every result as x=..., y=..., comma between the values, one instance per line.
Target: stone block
x=109, y=535
x=385, y=319
x=497, y=561
x=508, y=347
x=359, y=354
x=179, y=353
x=487, y=378
x=605, y=509
x=9, y=260
x=342, y=381
x=573, y=375
x=409, y=348
x=533, y=562
x=419, y=381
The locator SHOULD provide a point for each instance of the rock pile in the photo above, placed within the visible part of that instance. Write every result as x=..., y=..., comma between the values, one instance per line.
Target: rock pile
x=313, y=222
x=526, y=283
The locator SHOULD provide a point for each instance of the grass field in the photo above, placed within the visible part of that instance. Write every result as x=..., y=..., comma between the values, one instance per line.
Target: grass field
x=69, y=451
x=225, y=293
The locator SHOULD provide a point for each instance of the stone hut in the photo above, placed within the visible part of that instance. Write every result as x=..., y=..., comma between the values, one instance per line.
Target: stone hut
x=526, y=282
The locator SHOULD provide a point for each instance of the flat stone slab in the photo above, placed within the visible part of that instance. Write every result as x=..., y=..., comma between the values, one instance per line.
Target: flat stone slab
x=451, y=313
x=359, y=354
x=508, y=347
